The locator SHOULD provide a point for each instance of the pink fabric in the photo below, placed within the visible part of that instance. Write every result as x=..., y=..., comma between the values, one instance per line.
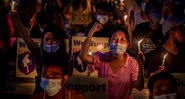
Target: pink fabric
x=120, y=84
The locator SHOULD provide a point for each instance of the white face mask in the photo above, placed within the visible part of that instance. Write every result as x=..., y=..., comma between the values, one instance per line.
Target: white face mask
x=118, y=49
x=51, y=48
x=102, y=18
x=51, y=86
x=167, y=96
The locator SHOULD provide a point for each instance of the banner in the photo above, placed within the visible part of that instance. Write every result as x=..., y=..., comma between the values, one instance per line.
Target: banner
x=87, y=87
x=25, y=68
x=26, y=62
x=97, y=44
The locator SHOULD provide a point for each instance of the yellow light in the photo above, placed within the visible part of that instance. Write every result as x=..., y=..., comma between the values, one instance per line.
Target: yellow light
x=139, y=45
x=164, y=58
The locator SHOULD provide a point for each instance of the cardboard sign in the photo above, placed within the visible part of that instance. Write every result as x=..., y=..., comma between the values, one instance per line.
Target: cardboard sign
x=25, y=68
x=88, y=87
x=97, y=44
x=25, y=62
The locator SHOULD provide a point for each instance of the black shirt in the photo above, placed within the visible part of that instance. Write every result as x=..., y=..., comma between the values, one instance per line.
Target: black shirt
x=152, y=38
x=173, y=63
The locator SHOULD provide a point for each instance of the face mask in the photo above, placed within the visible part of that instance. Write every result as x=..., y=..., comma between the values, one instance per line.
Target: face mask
x=51, y=86
x=51, y=48
x=102, y=18
x=117, y=49
x=167, y=96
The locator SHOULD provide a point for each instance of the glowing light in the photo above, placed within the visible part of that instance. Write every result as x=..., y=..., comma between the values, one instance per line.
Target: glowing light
x=100, y=46
x=164, y=58
x=125, y=17
x=121, y=0
x=139, y=45
x=90, y=53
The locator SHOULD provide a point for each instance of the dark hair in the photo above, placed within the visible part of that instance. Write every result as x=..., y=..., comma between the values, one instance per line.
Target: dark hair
x=61, y=56
x=58, y=33
x=77, y=3
x=138, y=1
x=164, y=76
x=174, y=28
x=153, y=6
x=39, y=18
x=121, y=28
x=105, y=6
x=35, y=32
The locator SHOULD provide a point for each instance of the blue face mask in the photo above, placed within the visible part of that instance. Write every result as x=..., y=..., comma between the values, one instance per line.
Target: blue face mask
x=117, y=49
x=51, y=48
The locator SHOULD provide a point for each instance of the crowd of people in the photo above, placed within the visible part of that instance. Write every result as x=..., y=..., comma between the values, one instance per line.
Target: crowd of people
x=147, y=40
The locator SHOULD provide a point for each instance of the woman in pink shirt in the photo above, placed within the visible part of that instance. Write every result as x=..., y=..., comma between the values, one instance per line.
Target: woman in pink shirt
x=121, y=70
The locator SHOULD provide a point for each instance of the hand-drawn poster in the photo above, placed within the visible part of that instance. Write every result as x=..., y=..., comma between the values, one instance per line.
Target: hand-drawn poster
x=25, y=68
x=97, y=44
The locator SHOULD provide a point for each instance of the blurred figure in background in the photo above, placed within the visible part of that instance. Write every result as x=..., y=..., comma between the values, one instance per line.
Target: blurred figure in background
x=173, y=31
x=162, y=86
x=103, y=15
x=51, y=57
x=150, y=32
x=7, y=50
x=137, y=14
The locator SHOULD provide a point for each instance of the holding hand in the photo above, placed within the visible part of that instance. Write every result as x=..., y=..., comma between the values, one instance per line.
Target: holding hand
x=96, y=27
x=141, y=58
x=161, y=68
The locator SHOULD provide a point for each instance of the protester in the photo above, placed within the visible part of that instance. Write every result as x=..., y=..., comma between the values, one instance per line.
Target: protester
x=103, y=14
x=121, y=70
x=150, y=32
x=51, y=58
x=78, y=14
x=137, y=13
x=162, y=85
x=173, y=42
x=52, y=11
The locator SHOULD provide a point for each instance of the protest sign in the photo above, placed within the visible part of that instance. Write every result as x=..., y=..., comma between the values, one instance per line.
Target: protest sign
x=25, y=68
x=97, y=44
x=87, y=87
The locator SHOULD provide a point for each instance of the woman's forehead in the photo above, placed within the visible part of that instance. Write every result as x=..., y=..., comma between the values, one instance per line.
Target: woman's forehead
x=53, y=68
x=119, y=34
x=48, y=34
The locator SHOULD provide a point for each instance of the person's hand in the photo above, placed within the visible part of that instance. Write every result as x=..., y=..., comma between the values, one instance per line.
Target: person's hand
x=141, y=58
x=96, y=27
x=161, y=68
